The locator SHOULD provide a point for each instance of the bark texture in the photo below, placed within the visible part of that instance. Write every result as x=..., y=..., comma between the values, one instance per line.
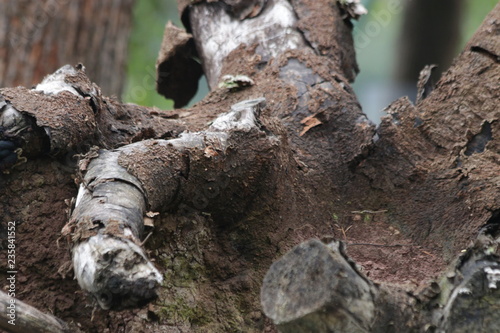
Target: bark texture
x=38, y=37
x=311, y=166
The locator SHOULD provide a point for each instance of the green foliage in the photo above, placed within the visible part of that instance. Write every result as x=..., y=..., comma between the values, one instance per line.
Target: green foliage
x=474, y=13
x=149, y=19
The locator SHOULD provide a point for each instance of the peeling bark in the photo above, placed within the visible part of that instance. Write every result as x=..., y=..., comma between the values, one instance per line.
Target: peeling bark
x=178, y=71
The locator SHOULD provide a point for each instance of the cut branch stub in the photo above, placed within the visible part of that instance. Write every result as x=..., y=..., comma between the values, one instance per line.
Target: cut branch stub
x=314, y=288
x=64, y=106
x=106, y=225
x=115, y=271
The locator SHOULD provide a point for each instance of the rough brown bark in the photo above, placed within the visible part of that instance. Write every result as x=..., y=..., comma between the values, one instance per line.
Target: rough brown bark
x=430, y=171
x=38, y=37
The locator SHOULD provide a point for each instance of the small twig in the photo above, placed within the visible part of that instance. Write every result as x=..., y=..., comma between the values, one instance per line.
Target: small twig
x=344, y=231
x=381, y=245
x=145, y=239
x=93, y=313
x=428, y=253
x=369, y=211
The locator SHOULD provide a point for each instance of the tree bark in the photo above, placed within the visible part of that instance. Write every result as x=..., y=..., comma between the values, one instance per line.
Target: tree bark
x=37, y=37
x=19, y=317
x=232, y=202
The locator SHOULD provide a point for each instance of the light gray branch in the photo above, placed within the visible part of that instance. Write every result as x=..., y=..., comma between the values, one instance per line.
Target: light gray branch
x=273, y=30
x=108, y=219
x=19, y=317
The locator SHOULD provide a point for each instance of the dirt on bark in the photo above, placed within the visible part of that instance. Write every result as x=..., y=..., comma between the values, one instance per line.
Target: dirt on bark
x=213, y=271
x=221, y=266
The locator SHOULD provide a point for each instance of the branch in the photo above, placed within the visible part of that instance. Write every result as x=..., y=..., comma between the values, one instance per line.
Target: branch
x=19, y=317
x=120, y=185
x=316, y=288
x=274, y=30
x=66, y=113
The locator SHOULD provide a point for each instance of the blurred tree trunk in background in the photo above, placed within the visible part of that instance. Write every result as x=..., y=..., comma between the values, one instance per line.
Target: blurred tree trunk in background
x=430, y=35
x=37, y=37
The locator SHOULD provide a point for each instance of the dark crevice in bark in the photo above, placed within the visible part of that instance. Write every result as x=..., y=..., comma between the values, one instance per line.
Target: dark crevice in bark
x=478, y=142
x=488, y=53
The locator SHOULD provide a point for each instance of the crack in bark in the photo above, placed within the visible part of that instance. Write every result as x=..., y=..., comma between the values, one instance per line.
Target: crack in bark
x=478, y=142
x=490, y=54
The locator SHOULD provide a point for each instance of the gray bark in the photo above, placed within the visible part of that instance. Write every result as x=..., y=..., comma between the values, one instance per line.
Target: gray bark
x=19, y=317
x=108, y=221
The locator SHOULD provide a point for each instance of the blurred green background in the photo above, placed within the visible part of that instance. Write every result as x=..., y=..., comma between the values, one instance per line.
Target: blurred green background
x=376, y=85
x=377, y=57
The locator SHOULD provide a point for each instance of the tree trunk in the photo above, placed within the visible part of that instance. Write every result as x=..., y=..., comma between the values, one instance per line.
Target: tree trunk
x=239, y=189
x=430, y=35
x=37, y=37
x=18, y=317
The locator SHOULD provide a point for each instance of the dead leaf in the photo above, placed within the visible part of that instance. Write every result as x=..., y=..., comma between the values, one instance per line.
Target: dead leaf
x=309, y=123
x=210, y=151
x=152, y=214
x=149, y=219
x=149, y=222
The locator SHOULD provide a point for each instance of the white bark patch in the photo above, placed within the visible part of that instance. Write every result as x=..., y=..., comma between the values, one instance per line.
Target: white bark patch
x=274, y=31
x=464, y=291
x=243, y=116
x=354, y=8
x=81, y=192
x=11, y=118
x=235, y=81
x=102, y=253
x=493, y=276
x=188, y=140
x=54, y=84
